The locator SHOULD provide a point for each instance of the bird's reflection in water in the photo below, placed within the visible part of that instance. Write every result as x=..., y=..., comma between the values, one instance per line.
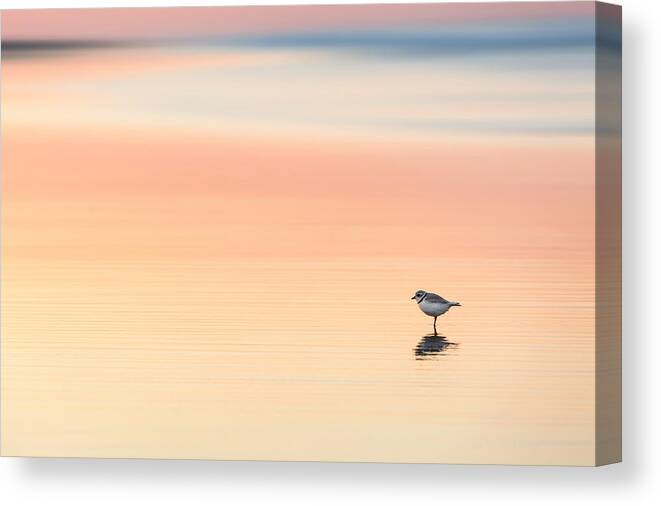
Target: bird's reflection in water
x=432, y=347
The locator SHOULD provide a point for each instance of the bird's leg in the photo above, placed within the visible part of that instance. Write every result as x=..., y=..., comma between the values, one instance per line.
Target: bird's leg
x=435, y=333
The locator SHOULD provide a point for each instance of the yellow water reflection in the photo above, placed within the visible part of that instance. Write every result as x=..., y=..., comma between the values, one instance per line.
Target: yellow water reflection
x=298, y=360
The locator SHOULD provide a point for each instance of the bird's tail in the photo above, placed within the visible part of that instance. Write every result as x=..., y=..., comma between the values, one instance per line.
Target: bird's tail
x=455, y=304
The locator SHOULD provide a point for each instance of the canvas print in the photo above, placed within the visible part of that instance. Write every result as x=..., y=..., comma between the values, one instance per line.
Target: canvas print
x=374, y=233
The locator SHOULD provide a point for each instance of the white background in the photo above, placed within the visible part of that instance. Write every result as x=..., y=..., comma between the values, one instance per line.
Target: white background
x=637, y=481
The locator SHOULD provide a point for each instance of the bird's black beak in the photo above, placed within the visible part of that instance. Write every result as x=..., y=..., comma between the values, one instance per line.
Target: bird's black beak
x=413, y=297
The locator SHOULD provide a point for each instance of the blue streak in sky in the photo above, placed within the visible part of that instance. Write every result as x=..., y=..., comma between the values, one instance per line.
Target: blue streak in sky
x=438, y=40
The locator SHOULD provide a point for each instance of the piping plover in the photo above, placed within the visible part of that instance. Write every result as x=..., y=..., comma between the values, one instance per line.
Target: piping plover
x=432, y=304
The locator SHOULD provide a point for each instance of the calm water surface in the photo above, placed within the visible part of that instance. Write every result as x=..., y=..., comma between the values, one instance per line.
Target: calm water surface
x=301, y=360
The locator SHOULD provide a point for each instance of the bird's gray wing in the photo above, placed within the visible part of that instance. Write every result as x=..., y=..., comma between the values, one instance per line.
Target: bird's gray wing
x=433, y=297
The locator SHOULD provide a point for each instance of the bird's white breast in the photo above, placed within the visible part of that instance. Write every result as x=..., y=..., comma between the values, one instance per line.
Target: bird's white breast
x=433, y=308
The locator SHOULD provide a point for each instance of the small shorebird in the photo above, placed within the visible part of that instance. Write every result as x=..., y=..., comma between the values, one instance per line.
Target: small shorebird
x=432, y=304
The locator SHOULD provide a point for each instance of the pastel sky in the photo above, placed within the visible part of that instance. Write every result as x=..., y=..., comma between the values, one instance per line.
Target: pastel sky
x=392, y=110
x=185, y=22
